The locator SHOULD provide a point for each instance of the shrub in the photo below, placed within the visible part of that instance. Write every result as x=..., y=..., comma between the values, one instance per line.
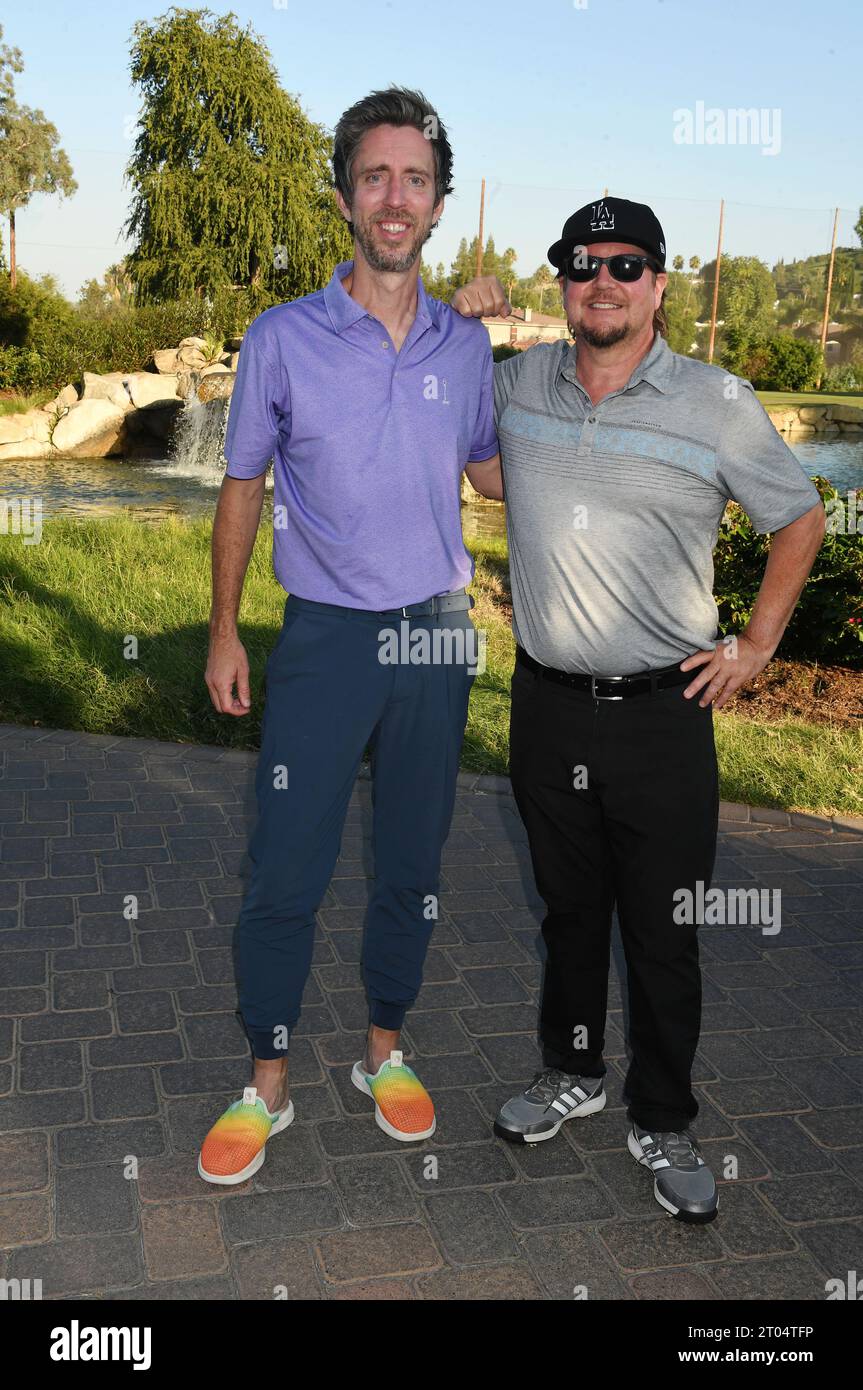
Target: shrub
x=844, y=376
x=503, y=351
x=827, y=624
x=779, y=362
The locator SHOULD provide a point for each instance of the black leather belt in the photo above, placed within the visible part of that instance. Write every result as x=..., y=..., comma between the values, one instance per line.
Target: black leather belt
x=608, y=687
x=431, y=607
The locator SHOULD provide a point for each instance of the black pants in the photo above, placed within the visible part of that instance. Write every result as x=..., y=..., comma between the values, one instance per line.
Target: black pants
x=643, y=826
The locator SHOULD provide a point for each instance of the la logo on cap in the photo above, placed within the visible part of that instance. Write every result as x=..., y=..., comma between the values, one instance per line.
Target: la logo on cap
x=601, y=220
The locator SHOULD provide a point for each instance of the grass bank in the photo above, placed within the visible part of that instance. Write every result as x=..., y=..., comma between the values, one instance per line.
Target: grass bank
x=69, y=605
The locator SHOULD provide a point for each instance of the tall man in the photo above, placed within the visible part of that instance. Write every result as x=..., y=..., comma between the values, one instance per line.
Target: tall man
x=371, y=398
x=618, y=459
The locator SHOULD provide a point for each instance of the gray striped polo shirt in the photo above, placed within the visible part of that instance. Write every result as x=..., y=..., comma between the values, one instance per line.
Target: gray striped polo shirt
x=613, y=510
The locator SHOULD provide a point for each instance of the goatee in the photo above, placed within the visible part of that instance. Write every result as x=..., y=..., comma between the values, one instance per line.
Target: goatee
x=601, y=338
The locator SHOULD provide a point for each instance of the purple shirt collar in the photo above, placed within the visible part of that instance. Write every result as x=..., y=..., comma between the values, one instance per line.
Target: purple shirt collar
x=344, y=311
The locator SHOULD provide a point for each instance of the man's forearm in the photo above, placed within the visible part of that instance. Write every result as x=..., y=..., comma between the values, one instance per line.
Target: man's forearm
x=486, y=477
x=235, y=526
x=792, y=551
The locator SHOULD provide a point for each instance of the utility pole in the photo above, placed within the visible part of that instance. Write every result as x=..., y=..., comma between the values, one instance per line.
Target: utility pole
x=716, y=283
x=481, y=217
x=826, y=319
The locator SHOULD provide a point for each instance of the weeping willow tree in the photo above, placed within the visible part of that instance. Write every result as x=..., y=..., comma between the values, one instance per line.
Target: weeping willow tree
x=232, y=184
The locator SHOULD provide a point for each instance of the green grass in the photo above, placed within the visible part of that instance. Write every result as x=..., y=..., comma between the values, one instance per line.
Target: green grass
x=14, y=405
x=68, y=604
x=792, y=398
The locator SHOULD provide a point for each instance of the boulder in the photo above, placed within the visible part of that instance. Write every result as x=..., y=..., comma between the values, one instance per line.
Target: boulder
x=25, y=449
x=154, y=422
x=165, y=361
x=847, y=414
x=147, y=387
x=216, y=386
x=190, y=354
x=107, y=388
x=90, y=429
x=68, y=396
x=809, y=414
x=27, y=426
x=782, y=418
x=215, y=367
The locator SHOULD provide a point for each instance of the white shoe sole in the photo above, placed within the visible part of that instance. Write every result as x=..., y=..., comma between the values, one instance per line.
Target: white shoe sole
x=698, y=1218
x=358, y=1077
x=228, y=1179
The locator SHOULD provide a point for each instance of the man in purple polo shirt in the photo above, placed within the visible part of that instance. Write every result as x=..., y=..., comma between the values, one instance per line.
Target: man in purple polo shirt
x=372, y=399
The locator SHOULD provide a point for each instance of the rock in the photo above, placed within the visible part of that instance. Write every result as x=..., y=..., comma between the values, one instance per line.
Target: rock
x=26, y=449
x=826, y=427
x=154, y=422
x=216, y=367
x=808, y=414
x=165, y=361
x=147, y=387
x=190, y=354
x=233, y=344
x=68, y=396
x=847, y=414
x=216, y=387
x=782, y=418
x=27, y=426
x=802, y=429
x=107, y=388
x=235, y=361
x=90, y=429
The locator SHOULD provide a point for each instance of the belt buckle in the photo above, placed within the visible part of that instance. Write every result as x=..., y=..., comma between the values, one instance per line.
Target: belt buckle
x=595, y=693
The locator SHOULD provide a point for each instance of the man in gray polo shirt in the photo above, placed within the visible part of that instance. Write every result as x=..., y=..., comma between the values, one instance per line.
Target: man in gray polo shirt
x=618, y=459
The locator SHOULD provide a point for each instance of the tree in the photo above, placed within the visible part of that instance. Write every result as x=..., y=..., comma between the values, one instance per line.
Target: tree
x=778, y=363
x=231, y=179
x=116, y=288
x=679, y=304
x=746, y=295
x=30, y=160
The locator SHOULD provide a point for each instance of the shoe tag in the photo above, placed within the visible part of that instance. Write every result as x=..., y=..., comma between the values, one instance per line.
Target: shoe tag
x=396, y=1059
x=249, y=1095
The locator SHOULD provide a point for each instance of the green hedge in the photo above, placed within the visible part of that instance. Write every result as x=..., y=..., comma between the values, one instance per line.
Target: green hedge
x=827, y=624
x=39, y=350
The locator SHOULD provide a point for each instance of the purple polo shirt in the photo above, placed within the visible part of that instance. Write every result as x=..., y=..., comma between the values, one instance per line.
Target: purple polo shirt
x=369, y=444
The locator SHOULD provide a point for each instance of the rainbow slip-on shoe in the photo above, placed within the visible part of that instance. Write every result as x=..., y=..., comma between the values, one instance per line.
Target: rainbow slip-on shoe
x=403, y=1106
x=234, y=1148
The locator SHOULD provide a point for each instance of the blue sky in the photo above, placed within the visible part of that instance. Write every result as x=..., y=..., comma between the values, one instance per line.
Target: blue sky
x=550, y=101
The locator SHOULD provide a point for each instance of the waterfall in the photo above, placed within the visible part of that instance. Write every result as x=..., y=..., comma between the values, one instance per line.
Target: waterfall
x=199, y=438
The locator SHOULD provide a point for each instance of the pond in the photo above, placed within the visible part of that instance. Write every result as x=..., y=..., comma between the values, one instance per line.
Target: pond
x=158, y=487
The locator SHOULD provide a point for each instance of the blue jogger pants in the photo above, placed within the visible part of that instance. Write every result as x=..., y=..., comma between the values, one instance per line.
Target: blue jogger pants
x=329, y=695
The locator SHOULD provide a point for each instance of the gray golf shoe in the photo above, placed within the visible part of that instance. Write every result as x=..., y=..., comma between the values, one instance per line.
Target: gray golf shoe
x=552, y=1097
x=683, y=1183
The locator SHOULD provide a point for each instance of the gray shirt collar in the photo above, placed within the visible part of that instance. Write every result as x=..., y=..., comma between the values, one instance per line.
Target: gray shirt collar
x=654, y=367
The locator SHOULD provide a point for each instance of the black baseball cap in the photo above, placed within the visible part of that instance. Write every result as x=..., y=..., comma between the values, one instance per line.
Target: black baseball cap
x=610, y=219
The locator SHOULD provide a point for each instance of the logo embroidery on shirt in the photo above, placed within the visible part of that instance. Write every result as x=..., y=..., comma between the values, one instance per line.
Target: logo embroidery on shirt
x=601, y=220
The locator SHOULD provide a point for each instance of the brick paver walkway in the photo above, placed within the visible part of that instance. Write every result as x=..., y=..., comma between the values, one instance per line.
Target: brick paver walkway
x=119, y=1045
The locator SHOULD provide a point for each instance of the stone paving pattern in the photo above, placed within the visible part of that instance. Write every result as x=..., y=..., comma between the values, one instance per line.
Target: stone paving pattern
x=120, y=1040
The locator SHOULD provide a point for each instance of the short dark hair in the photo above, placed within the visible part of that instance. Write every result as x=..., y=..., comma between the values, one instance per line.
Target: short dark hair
x=390, y=106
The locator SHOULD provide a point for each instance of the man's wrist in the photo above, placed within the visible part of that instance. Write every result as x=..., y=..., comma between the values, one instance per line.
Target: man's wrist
x=762, y=645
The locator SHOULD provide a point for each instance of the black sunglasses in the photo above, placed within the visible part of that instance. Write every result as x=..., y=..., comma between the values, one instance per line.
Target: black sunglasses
x=623, y=267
